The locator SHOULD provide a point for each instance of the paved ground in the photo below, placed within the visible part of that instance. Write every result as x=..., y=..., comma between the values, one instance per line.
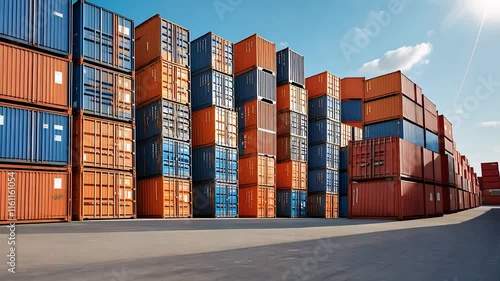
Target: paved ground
x=458, y=247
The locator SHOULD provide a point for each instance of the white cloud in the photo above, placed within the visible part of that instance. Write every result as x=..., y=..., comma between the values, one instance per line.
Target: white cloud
x=490, y=124
x=430, y=33
x=283, y=44
x=404, y=59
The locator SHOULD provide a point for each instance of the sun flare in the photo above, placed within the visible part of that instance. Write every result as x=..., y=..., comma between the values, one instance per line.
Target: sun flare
x=490, y=9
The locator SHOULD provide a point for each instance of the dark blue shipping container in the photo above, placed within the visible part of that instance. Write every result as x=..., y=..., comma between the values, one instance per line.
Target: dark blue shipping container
x=399, y=128
x=343, y=182
x=103, y=37
x=203, y=53
x=343, y=206
x=324, y=107
x=162, y=156
x=292, y=203
x=323, y=156
x=34, y=137
x=219, y=200
x=344, y=158
x=352, y=111
x=171, y=120
x=212, y=88
x=44, y=24
x=324, y=180
x=215, y=163
x=324, y=131
x=255, y=84
x=431, y=141
x=291, y=69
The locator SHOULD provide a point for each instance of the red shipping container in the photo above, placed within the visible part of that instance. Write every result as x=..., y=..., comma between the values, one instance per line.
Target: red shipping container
x=352, y=88
x=450, y=197
x=292, y=148
x=439, y=200
x=291, y=175
x=489, y=166
x=431, y=121
x=430, y=106
x=257, y=141
x=388, y=84
x=466, y=200
x=491, y=173
x=491, y=192
x=438, y=168
x=253, y=52
x=257, y=202
x=445, y=146
x=490, y=179
x=460, y=200
x=430, y=201
x=323, y=84
x=419, y=96
x=258, y=113
x=393, y=107
x=491, y=185
x=291, y=123
x=164, y=198
x=323, y=205
x=491, y=200
x=214, y=126
x=445, y=127
x=291, y=98
x=428, y=162
x=257, y=170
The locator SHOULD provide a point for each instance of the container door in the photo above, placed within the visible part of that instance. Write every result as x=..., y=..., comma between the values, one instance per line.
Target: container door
x=16, y=134
x=125, y=50
x=51, y=24
x=53, y=131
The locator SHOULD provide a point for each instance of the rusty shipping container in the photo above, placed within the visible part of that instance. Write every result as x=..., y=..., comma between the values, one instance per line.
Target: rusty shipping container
x=164, y=198
x=290, y=66
x=389, y=84
x=257, y=141
x=254, y=52
x=393, y=107
x=292, y=148
x=211, y=52
x=257, y=113
x=352, y=88
x=291, y=175
x=323, y=84
x=257, y=170
x=215, y=126
x=103, y=194
x=257, y=202
x=323, y=205
x=292, y=98
x=292, y=123
x=445, y=127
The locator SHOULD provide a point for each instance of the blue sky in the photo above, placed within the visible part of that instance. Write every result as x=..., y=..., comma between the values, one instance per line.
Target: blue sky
x=430, y=40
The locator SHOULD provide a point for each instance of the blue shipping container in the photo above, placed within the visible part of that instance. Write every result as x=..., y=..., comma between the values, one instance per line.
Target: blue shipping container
x=431, y=141
x=399, y=128
x=324, y=107
x=291, y=69
x=203, y=52
x=292, y=203
x=344, y=158
x=34, y=137
x=343, y=182
x=324, y=180
x=103, y=37
x=44, y=24
x=162, y=156
x=343, y=206
x=212, y=88
x=352, y=111
x=255, y=84
x=171, y=120
x=323, y=156
x=219, y=200
x=324, y=131
x=215, y=163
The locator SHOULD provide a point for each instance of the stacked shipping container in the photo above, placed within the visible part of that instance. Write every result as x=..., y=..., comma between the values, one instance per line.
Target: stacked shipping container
x=490, y=183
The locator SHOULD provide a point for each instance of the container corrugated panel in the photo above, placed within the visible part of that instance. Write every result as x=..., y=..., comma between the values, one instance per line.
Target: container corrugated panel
x=343, y=207
x=323, y=205
x=393, y=107
x=344, y=158
x=103, y=37
x=212, y=52
x=103, y=194
x=431, y=121
x=388, y=84
x=257, y=141
x=35, y=137
x=438, y=192
x=257, y=113
x=254, y=52
x=429, y=105
x=291, y=98
x=44, y=24
x=162, y=156
x=450, y=199
x=324, y=107
x=255, y=84
x=34, y=77
x=324, y=130
x=171, y=120
x=323, y=84
x=428, y=165
x=257, y=202
x=292, y=123
x=343, y=183
x=351, y=111
x=445, y=145
x=212, y=88
x=291, y=68
x=215, y=163
x=164, y=198
x=448, y=170
x=445, y=127
x=257, y=170
x=324, y=156
x=324, y=180
x=345, y=134
x=291, y=175
x=419, y=96
x=104, y=93
x=489, y=166
x=430, y=200
x=352, y=88
x=357, y=133
x=215, y=200
x=215, y=126
x=431, y=141
x=39, y=195
x=400, y=128
x=291, y=203
x=291, y=148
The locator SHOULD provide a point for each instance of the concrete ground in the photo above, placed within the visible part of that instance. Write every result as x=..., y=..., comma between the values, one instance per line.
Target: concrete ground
x=458, y=247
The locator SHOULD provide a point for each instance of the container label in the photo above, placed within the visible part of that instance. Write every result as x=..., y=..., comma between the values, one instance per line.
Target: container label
x=124, y=30
x=57, y=183
x=186, y=198
x=1, y=120
x=127, y=98
x=45, y=126
x=58, y=128
x=58, y=77
x=438, y=197
x=128, y=147
x=57, y=14
x=58, y=138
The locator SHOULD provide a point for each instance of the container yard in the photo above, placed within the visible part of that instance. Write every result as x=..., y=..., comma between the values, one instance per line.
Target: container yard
x=198, y=151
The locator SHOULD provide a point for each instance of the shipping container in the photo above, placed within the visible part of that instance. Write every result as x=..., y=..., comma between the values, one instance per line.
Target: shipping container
x=103, y=93
x=34, y=136
x=438, y=191
x=351, y=111
x=491, y=200
x=257, y=170
x=343, y=206
x=255, y=84
x=324, y=131
x=257, y=113
x=164, y=118
x=212, y=88
x=103, y=143
x=445, y=145
x=323, y=156
x=292, y=148
x=450, y=199
x=34, y=78
x=102, y=37
x=39, y=195
x=345, y=134
x=389, y=84
x=257, y=202
x=352, y=88
x=324, y=107
x=215, y=163
x=490, y=179
x=164, y=198
x=438, y=168
x=389, y=157
x=419, y=96
x=291, y=203
x=343, y=158
x=460, y=200
x=491, y=192
x=358, y=125
x=489, y=166
x=400, y=128
x=292, y=123
x=445, y=127
x=430, y=201
x=343, y=183
x=254, y=52
x=393, y=107
x=211, y=52
x=466, y=200
x=323, y=205
x=162, y=156
x=291, y=68
x=42, y=24
x=429, y=105
x=257, y=141
x=215, y=200
x=103, y=194
x=159, y=38
x=324, y=180
x=323, y=84
x=291, y=175
x=357, y=133
x=431, y=141
x=215, y=126
x=162, y=79
x=431, y=121
x=291, y=98
x=491, y=185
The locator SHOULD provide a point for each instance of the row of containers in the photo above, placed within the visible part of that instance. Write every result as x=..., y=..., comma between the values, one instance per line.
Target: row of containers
x=490, y=183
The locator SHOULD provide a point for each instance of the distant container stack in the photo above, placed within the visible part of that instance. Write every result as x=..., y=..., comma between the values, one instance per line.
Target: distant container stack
x=164, y=187
x=255, y=92
x=490, y=183
x=35, y=111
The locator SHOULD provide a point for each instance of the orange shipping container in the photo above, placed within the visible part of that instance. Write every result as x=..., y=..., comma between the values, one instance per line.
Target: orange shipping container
x=389, y=84
x=257, y=113
x=352, y=88
x=164, y=198
x=162, y=79
x=257, y=202
x=215, y=126
x=292, y=98
x=445, y=127
x=429, y=105
x=254, y=52
x=393, y=107
x=256, y=141
x=257, y=170
x=323, y=205
x=419, y=96
x=103, y=194
x=323, y=84
x=32, y=77
x=431, y=121
x=291, y=175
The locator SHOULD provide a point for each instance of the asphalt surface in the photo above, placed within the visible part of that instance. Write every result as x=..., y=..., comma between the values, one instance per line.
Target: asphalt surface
x=458, y=247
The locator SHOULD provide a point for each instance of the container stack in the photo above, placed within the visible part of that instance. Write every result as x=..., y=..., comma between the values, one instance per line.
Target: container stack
x=255, y=92
x=104, y=174
x=35, y=111
x=164, y=188
x=448, y=165
x=291, y=183
x=324, y=145
x=215, y=131
x=490, y=183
